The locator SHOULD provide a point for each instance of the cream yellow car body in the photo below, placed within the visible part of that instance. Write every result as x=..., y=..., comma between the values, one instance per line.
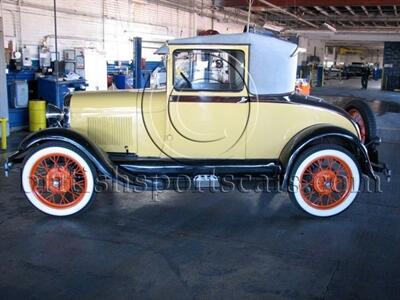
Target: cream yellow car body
x=140, y=123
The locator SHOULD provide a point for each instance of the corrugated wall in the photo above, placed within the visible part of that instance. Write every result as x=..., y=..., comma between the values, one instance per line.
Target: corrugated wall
x=103, y=24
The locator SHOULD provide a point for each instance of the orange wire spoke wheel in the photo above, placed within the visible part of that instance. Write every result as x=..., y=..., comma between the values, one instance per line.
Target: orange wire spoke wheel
x=357, y=117
x=58, y=180
x=326, y=182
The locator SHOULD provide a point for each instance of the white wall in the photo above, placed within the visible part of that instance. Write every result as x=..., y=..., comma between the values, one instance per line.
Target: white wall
x=310, y=45
x=103, y=24
x=372, y=55
x=366, y=56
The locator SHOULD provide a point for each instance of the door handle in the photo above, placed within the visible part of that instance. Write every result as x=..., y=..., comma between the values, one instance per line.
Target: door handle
x=243, y=100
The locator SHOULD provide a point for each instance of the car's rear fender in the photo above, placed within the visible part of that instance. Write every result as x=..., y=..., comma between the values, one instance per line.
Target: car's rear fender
x=320, y=134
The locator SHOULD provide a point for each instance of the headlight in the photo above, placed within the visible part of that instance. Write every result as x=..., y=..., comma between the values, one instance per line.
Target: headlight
x=54, y=113
x=67, y=119
x=57, y=117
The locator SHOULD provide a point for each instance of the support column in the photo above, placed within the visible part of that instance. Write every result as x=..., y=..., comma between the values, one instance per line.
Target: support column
x=137, y=62
x=391, y=66
x=3, y=81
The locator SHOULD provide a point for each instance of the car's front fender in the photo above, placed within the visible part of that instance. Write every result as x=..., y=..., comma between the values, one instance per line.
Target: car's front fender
x=98, y=157
x=69, y=136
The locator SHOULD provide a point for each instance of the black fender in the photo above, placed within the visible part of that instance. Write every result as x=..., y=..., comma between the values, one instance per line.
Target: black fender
x=97, y=156
x=74, y=138
x=324, y=133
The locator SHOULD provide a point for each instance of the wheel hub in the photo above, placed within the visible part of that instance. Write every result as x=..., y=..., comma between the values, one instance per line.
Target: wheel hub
x=324, y=182
x=58, y=180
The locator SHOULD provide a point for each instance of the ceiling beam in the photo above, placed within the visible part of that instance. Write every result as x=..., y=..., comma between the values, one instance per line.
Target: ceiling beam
x=350, y=10
x=352, y=35
x=344, y=18
x=306, y=10
x=335, y=10
x=365, y=10
x=322, y=11
x=294, y=3
x=284, y=11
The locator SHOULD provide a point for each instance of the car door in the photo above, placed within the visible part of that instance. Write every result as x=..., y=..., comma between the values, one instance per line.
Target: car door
x=207, y=107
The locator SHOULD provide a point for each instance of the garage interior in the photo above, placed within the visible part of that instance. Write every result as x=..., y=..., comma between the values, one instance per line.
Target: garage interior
x=196, y=245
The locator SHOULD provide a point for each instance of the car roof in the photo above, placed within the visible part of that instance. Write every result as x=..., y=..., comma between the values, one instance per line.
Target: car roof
x=273, y=60
x=227, y=39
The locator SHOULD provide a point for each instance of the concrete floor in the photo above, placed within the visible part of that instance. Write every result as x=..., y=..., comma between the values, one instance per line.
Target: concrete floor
x=352, y=88
x=353, y=83
x=206, y=246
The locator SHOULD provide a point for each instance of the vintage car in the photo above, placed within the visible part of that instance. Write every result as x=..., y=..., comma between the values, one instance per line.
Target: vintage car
x=228, y=109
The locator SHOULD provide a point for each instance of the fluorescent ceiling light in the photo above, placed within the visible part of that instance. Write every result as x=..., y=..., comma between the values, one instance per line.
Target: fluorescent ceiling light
x=144, y=2
x=330, y=27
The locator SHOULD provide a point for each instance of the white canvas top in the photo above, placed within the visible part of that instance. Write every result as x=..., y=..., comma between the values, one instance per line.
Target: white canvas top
x=273, y=61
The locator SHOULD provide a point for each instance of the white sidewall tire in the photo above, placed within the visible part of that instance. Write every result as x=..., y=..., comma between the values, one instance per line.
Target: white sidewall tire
x=37, y=202
x=342, y=206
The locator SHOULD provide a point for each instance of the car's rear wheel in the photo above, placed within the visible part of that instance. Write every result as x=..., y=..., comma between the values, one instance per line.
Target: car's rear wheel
x=58, y=179
x=325, y=180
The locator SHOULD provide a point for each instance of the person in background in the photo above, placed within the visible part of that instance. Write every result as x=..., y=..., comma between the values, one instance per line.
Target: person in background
x=346, y=72
x=365, y=72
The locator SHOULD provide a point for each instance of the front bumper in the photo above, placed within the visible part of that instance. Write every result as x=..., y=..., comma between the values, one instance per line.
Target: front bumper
x=7, y=167
x=13, y=159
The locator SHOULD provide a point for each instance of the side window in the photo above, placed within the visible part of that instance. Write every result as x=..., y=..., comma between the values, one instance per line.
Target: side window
x=208, y=70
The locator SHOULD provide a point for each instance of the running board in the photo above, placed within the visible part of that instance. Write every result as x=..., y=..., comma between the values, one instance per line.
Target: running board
x=223, y=168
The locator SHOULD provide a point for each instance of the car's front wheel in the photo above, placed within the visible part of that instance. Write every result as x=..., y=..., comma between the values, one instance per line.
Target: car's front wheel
x=325, y=180
x=58, y=179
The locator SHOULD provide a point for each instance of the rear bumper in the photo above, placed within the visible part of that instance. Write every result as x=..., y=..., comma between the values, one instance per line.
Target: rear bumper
x=382, y=168
x=377, y=166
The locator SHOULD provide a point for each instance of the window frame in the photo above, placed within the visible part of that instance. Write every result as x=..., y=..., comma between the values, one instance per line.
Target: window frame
x=243, y=48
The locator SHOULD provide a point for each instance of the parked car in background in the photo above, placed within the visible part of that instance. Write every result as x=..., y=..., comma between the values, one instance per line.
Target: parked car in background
x=355, y=69
x=333, y=73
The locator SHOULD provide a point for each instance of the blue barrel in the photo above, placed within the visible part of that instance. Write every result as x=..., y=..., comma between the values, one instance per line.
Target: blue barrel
x=119, y=81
